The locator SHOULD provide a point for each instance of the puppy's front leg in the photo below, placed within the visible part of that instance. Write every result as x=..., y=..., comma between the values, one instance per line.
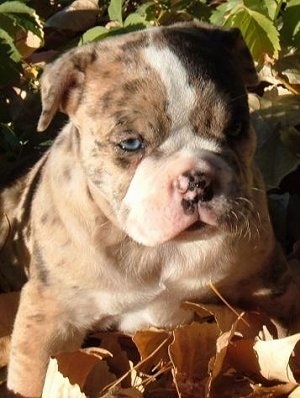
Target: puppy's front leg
x=41, y=330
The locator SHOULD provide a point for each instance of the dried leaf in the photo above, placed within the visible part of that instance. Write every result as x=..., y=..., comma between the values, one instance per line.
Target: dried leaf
x=192, y=348
x=79, y=364
x=223, y=315
x=230, y=354
x=295, y=393
x=119, y=363
x=279, y=390
x=56, y=385
x=242, y=357
x=122, y=393
x=279, y=359
x=231, y=384
x=147, y=342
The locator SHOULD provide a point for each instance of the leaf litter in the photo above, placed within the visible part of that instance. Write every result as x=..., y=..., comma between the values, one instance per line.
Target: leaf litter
x=222, y=353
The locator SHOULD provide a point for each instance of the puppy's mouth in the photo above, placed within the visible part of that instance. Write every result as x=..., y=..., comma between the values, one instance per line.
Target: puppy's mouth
x=199, y=230
x=196, y=226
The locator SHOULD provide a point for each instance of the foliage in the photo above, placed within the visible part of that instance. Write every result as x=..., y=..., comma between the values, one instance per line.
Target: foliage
x=222, y=353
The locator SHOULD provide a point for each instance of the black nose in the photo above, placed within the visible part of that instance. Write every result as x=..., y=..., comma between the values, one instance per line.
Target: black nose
x=197, y=188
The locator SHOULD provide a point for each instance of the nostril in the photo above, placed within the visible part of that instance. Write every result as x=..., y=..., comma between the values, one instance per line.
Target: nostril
x=208, y=194
x=198, y=182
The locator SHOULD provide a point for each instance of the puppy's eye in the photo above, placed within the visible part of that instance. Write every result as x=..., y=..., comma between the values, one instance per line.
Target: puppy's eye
x=235, y=129
x=131, y=144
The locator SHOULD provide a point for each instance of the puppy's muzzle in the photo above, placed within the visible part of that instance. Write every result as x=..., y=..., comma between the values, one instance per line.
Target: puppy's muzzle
x=185, y=192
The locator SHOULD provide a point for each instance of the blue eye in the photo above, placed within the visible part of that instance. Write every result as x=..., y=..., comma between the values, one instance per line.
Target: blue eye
x=131, y=145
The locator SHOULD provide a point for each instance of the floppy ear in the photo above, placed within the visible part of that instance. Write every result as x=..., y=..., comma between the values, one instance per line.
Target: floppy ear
x=242, y=56
x=61, y=84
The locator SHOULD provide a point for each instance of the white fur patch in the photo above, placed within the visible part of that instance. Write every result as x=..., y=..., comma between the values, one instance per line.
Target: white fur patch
x=180, y=95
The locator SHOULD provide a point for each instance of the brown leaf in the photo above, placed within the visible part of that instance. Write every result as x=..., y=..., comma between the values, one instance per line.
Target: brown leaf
x=249, y=324
x=122, y=393
x=255, y=324
x=192, y=348
x=233, y=350
x=119, y=363
x=58, y=386
x=147, y=342
x=86, y=359
x=243, y=358
x=222, y=314
x=231, y=384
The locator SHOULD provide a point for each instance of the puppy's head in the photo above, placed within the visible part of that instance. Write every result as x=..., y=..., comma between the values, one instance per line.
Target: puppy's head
x=164, y=131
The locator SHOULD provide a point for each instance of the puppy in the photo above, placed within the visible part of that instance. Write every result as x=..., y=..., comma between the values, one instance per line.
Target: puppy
x=149, y=194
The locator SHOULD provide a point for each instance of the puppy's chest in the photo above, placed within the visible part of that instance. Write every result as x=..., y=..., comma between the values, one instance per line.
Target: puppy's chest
x=116, y=296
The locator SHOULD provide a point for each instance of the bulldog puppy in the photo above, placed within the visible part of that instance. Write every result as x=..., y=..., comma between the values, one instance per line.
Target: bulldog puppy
x=148, y=194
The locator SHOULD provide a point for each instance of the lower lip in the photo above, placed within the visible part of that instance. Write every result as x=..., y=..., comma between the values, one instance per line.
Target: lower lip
x=196, y=226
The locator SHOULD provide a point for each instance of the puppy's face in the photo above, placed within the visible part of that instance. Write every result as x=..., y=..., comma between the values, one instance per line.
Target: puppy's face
x=164, y=131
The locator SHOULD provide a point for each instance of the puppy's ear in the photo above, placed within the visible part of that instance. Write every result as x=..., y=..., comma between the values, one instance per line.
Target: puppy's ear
x=61, y=84
x=242, y=56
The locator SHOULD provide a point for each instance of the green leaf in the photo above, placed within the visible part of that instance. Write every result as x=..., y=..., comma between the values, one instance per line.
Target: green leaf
x=7, y=23
x=219, y=15
x=100, y=32
x=94, y=34
x=148, y=11
x=27, y=22
x=136, y=19
x=10, y=60
x=273, y=7
x=115, y=11
x=258, y=31
x=258, y=6
x=15, y=7
x=15, y=15
x=200, y=11
x=11, y=50
x=290, y=32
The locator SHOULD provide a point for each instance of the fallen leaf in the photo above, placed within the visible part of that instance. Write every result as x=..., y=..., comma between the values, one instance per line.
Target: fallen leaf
x=223, y=315
x=192, y=348
x=147, y=342
x=56, y=385
x=119, y=363
x=79, y=364
x=231, y=384
x=279, y=359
